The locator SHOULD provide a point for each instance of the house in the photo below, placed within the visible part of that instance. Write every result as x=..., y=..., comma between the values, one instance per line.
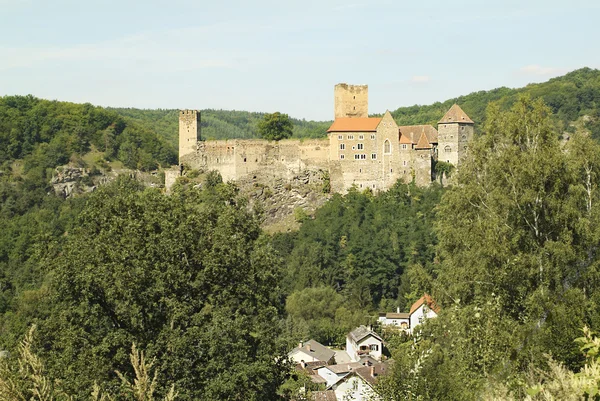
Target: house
x=359, y=384
x=362, y=342
x=334, y=373
x=396, y=320
x=424, y=308
x=311, y=351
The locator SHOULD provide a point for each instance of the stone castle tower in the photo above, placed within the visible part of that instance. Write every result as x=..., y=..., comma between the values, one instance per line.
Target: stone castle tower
x=189, y=131
x=351, y=100
x=455, y=131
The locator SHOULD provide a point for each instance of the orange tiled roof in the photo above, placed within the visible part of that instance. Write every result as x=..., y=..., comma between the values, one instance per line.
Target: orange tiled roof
x=423, y=142
x=405, y=138
x=427, y=300
x=413, y=132
x=456, y=115
x=355, y=124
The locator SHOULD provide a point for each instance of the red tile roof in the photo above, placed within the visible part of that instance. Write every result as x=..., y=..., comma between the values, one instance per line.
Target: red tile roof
x=427, y=300
x=413, y=132
x=423, y=142
x=355, y=124
x=456, y=115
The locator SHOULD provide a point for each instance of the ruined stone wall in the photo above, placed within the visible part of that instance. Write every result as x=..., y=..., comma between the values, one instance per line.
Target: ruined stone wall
x=236, y=159
x=351, y=100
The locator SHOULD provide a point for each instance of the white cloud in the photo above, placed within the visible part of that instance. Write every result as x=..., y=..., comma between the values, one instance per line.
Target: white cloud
x=535, y=69
x=420, y=79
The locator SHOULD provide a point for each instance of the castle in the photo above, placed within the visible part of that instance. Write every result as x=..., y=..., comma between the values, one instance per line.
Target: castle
x=361, y=151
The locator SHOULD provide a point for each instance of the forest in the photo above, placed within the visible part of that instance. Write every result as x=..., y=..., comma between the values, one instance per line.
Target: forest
x=212, y=303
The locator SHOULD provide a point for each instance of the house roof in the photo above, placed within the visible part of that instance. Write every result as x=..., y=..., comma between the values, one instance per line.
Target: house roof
x=310, y=367
x=344, y=367
x=413, y=133
x=427, y=300
x=316, y=350
x=370, y=374
x=355, y=124
x=405, y=138
x=361, y=332
x=394, y=315
x=423, y=142
x=328, y=395
x=456, y=115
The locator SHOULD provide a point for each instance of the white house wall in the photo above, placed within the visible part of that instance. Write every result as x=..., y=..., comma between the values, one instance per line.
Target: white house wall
x=420, y=315
x=355, y=388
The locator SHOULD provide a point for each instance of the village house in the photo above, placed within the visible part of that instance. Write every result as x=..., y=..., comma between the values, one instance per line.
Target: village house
x=424, y=308
x=362, y=342
x=312, y=351
x=399, y=320
x=359, y=384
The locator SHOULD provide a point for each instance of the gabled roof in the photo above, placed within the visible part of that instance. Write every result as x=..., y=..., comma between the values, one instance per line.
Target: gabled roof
x=394, y=315
x=427, y=300
x=368, y=374
x=344, y=367
x=456, y=115
x=413, y=132
x=361, y=332
x=316, y=350
x=405, y=139
x=355, y=124
x=423, y=143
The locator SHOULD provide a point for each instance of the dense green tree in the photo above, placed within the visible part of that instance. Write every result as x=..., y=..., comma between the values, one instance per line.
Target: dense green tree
x=187, y=277
x=275, y=126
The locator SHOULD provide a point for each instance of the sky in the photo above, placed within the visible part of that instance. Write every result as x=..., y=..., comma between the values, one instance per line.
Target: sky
x=287, y=55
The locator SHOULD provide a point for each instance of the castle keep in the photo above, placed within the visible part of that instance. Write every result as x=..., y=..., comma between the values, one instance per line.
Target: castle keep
x=367, y=152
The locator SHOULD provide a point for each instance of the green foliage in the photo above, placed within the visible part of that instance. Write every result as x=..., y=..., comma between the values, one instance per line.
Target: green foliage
x=218, y=124
x=569, y=97
x=186, y=276
x=443, y=169
x=275, y=126
x=361, y=244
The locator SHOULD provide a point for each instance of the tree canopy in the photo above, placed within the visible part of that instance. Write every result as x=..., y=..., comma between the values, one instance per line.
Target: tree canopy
x=275, y=126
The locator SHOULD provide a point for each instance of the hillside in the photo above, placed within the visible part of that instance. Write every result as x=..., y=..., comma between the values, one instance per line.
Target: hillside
x=570, y=97
x=216, y=124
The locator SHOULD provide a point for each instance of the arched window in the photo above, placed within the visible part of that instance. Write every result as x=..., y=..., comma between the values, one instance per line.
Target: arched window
x=387, y=147
x=447, y=148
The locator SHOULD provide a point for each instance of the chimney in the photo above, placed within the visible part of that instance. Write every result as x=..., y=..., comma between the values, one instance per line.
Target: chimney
x=372, y=371
x=303, y=364
x=300, y=344
x=398, y=310
x=307, y=347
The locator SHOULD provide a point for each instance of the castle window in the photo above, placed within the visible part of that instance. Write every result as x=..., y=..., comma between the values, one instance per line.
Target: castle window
x=404, y=146
x=363, y=157
x=360, y=146
x=373, y=156
x=356, y=157
x=342, y=146
x=360, y=170
x=464, y=137
x=447, y=148
x=350, y=137
x=387, y=147
x=372, y=136
x=353, y=147
x=391, y=170
x=340, y=137
x=404, y=163
x=341, y=157
x=244, y=160
x=462, y=127
x=361, y=137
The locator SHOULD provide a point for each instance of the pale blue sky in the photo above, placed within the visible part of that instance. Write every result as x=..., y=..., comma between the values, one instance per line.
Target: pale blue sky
x=287, y=55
